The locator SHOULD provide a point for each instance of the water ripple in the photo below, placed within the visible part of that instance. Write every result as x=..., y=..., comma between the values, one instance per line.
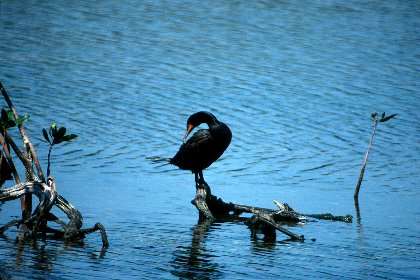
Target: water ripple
x=297, y=90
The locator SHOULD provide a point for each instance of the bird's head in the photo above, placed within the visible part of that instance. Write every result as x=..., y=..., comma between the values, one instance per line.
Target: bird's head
x=198, y=118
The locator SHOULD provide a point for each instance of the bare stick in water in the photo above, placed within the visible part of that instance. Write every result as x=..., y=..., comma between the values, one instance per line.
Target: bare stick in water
x=362, y=172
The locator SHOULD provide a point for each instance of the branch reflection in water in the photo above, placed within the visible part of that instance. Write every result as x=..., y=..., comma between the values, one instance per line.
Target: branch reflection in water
x=42, y=256
x=195, y=261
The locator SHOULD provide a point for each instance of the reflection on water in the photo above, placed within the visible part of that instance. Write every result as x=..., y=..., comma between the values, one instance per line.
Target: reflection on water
x=199, y=261
x=295, y=85
x=43, y=257
x=195, y=261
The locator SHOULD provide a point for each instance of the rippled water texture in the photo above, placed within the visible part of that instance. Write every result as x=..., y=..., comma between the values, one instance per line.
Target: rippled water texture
x=296, y=81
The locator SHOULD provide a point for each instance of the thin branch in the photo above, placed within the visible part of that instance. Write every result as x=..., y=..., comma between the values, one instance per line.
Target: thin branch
x=101, y=228
x=41, y=212
x=9, y=159
x=376, y=121
x=15, y=115
x=36, y=161
x=17, y=151
x=53, y=218
x=6, y=151
x=362, y=172
x=27, y=202
x=75, y=217
x=24, y=137
x=49, y=156
x=8, y=225
x=266, y=218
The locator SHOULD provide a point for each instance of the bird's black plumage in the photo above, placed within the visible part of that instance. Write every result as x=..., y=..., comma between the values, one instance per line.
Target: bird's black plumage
x=205, y=146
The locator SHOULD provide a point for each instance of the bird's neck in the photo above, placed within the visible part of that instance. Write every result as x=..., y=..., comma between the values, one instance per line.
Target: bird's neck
x=211, y=121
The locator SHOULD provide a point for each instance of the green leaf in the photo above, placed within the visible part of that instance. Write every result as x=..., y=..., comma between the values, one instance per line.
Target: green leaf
x=383, y=115
x=58, y=138
x=57, y=141
x=4, y=116
x=374, y=115
x=11, y=123
x=21, y=120
x=61, y=132
x=10, y=114
x=53, y=130
x=69, y=137
x=387, y=118
x=44, y=131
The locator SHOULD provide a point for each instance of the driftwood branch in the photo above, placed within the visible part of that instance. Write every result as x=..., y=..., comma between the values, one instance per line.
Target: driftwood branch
x=45, y=190
x=9, y=225
x=48, y=197
x=264, y=220
x=203, y=191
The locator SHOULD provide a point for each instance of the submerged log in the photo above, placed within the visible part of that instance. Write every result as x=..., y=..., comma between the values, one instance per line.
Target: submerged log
x=262, y=220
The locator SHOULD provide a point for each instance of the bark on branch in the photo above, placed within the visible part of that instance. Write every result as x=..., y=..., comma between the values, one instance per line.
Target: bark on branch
x=45, y=190
x=48, y=197
x=264, y=220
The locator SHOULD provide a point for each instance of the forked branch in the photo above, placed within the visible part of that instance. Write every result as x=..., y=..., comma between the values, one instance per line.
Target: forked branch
x=48, y=197
x=264, y=220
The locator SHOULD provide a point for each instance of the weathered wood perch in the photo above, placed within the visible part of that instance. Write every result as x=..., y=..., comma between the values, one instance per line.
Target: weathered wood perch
x=266, y=221
x=48, y=197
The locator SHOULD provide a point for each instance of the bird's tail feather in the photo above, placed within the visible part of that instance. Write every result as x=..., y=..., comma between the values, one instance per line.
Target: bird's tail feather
x=163, y=160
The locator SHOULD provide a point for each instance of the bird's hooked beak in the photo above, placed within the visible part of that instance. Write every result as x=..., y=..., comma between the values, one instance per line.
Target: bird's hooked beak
x=190, y=127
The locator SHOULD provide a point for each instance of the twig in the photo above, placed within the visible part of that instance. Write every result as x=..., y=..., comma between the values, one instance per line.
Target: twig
x=12, y=108
x=376, y=120
x=8, y=225
x=75, y=217
x=15, y=148
x=100, y=227
x=362, y=172
x=27, y=202
x=36, y=161
x=49, y=156
x=328, y=216
x=25, y=137
x=9, y=159
x=41, y=212
x=267, y=219
x=6, y=151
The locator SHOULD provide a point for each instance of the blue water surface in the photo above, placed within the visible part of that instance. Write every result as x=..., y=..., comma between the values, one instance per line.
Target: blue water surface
x=296, y=81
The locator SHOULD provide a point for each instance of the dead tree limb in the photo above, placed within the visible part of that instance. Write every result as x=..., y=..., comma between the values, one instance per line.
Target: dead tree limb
x=75, y=218
x=202, y=192
x=264, y=220
x=376, y=121
x=26, y=202
x=48, y=197
x=25, y=138
x=9, y=159
x=362, y=171
x=45, y=190
x=9, y=225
